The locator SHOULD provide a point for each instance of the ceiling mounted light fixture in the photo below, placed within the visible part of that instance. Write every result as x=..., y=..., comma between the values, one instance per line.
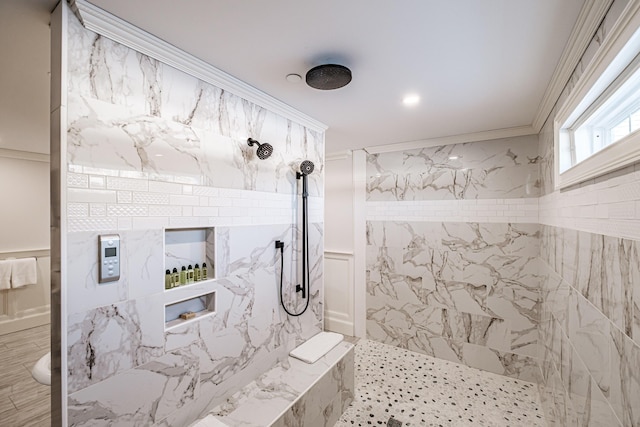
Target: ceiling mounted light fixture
x=328, y=76
x=411, y=100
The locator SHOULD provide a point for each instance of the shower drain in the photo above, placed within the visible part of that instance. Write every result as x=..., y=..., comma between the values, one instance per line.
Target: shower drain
x=394, y=423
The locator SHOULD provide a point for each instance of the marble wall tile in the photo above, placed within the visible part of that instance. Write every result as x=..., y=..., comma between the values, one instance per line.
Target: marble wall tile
x=168, y=149
x=598, y=411
x=504, y=168
x=588, y=331
x=244, y=250
x=555, y=293
x=547, y=391
x=325, y=401
x=546, y=157
x=105, y=70
x=143, y=251
x=170, y=382
x=109, y=340
x=624, y=394
x=601, y=262
x=508, y=364
x=248, y=330
x=589, y=294
x=594, y=276
x=635, y=289
x=294, y=392
x=568, y=262
x=578, y=385
x=434, y=287
x=556, y=345
x=200, y=130
x=83, y=290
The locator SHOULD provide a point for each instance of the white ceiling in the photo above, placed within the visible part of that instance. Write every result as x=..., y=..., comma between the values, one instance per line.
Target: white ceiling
x=478, y=65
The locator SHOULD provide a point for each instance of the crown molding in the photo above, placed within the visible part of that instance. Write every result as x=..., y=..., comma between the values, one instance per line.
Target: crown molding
x=338, y=155
x=619, y=35
x=101, y=22
x=589, y=19
x=24, y=155
x=454, y=139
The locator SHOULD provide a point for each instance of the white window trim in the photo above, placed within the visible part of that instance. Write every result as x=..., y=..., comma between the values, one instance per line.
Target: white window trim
x=616, y=51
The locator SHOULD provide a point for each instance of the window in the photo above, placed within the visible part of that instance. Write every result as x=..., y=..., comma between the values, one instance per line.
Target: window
x=598, y=127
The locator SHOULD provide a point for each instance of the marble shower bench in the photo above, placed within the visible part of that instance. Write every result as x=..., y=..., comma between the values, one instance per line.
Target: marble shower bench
x=292, y=394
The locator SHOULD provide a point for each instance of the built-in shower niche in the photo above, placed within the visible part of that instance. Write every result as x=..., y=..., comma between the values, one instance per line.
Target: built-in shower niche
x=184, y=247
x=198, y=307
x=190, y=246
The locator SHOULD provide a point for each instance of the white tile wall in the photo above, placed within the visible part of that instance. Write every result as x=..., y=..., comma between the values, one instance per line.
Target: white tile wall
x=137, y=202
x=611, y=207
x=474, y=210
x=97, y=182
x=77, y=180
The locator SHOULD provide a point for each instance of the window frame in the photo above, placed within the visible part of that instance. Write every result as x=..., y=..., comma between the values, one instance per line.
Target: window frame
x=617, y=52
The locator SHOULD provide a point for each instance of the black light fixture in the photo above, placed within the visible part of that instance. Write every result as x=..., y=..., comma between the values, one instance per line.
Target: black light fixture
x=328, y=76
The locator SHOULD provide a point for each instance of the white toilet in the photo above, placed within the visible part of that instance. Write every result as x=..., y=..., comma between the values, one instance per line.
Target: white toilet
x=41, y=372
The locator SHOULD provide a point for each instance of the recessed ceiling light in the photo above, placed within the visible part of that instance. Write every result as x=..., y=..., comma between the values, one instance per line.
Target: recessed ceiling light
x=159, y=155
x=411, y=100
x=453, y=157
x=294, y=78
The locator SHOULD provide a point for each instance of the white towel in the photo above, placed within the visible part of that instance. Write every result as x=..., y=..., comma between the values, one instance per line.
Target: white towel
x=313, y=349
x=24, y=271
x=209, y=421
x=5, y=274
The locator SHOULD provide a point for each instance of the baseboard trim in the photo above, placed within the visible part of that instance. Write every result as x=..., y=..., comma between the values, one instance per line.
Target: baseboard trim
x=337, y=325
x=28, y=321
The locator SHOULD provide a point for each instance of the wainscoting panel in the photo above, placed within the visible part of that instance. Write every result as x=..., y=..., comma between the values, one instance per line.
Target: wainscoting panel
x=29, y=306
x=338, y=288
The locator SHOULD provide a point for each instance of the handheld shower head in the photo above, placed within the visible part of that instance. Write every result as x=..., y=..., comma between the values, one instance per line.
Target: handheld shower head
x=264, y=150
x=306, y=167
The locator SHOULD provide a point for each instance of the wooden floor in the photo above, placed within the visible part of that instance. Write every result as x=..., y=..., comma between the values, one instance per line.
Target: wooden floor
x=23, y=401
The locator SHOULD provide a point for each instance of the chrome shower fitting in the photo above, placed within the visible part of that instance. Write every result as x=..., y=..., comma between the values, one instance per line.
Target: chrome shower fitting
x=264, y=150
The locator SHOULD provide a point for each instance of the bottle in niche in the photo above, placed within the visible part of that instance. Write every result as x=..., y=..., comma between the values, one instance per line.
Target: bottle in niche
x=175, y=279
x=197, y=275
x=183, y=276
x=203, y=273
x=168, y=280
x=190, y=274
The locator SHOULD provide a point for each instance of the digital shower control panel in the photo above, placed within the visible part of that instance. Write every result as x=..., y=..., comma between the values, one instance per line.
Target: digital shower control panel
x=109, y=258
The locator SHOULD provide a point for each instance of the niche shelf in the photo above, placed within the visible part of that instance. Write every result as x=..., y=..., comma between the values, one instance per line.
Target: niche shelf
x=201, y=305
x=189, y=246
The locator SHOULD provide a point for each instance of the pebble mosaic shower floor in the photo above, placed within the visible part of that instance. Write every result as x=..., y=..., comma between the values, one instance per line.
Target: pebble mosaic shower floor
x=419, y=390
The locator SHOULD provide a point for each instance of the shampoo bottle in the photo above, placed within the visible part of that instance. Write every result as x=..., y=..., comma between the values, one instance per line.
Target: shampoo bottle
x=175, y=278
x=203, y=273
x=168, y=280
x=196, y=273
x=190, y=274
x=183, y=276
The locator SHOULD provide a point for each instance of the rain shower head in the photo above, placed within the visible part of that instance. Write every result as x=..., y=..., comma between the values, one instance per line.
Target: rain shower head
x=306, y=167
x=264, y=150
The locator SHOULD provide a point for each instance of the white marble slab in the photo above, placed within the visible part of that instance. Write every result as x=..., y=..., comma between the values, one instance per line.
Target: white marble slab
x=504, y=168
x=456, y=290
x=272, y=394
